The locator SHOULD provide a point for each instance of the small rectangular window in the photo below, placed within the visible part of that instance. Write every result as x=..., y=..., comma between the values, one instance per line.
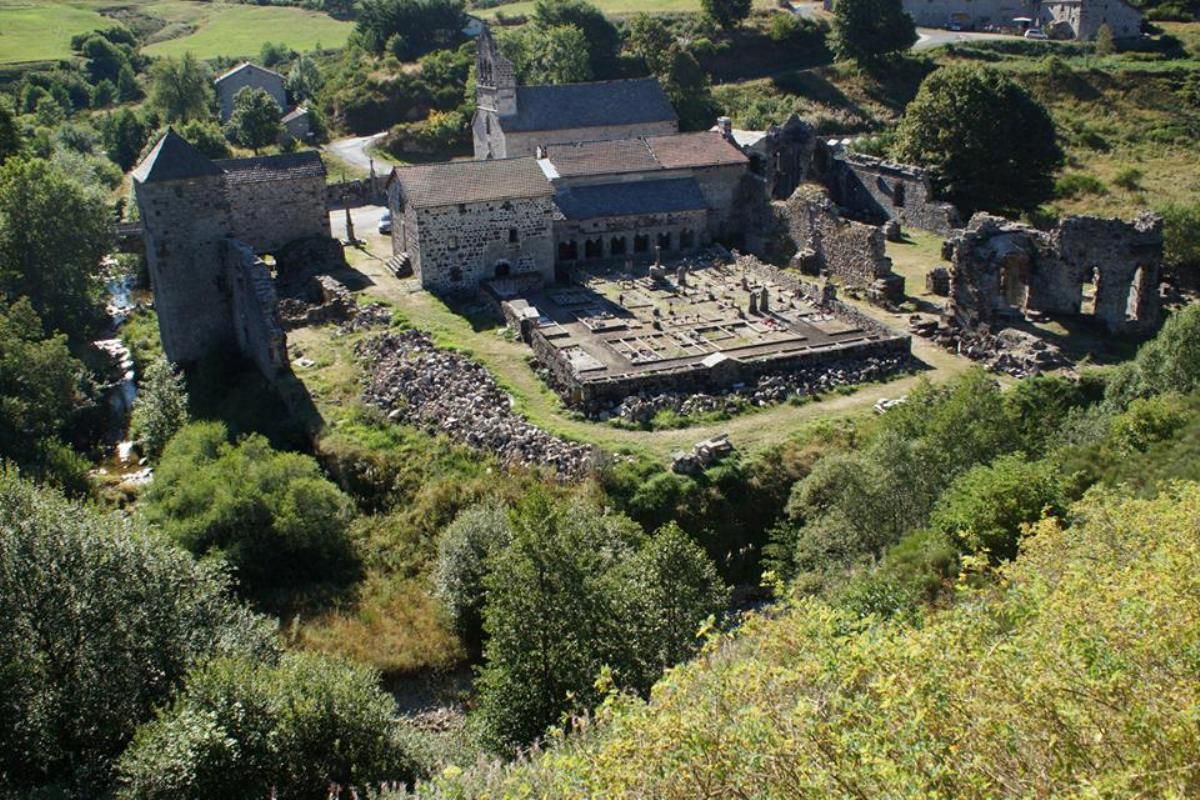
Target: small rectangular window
x=452, y=242
x=513, y=236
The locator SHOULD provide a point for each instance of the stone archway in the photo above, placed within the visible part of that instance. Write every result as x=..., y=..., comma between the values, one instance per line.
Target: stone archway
x=503, y=269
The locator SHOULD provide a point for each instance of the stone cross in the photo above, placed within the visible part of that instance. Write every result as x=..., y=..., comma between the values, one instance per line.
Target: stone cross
x=754, y=303
x=764, y=303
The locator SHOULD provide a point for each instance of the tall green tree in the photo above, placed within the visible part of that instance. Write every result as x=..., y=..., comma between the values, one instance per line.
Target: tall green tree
x=181, y=88
x=409, y=28
x=542, y=55
x=102, y=620
x=601, y=39
x=687, y=86
x=39, y=258
x=729, y=14
x=254, y=122
x=988, y=144
x=10, y=137
x=463, y=551
x=124, y=137
x=286, y=729
x=1170, y=362
x=870, y=31
x=650, y=40
x=304, y=79
x=161, y=408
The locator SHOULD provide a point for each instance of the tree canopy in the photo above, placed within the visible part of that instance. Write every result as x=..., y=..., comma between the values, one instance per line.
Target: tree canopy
x=409, y=28
x=727, y=13
x=548, y=55
x=181, y=88
x=869, y=31
x=161, y=407
x=601, y=42
x=254, y=122
x=988, y=144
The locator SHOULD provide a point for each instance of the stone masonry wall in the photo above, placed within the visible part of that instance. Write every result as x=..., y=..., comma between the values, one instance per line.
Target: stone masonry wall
x=874, y=190
x=184, y=223
x=267, y=214
x=460, y=246
x=259, y=331
x=606, y=229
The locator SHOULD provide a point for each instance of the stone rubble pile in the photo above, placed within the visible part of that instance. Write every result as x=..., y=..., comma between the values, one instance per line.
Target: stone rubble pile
x=767, y=390
x=1008, y=351
x=415, y=382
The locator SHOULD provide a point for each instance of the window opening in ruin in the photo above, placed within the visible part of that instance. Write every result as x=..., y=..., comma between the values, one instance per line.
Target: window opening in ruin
x=1089, y=291
x=898, y=195
x=1014, y=281
x=1137, y=288
x=687, y=239
x=452, y=242
x=513, y=236
x=617, y=246
x=568, y=251
x=641, y=244
x=487, y=124
x=593, y=248
x=455, y=275
x=503, y=269
x=664, y=241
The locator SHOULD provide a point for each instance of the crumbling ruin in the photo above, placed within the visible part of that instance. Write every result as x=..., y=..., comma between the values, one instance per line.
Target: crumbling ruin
x=876, y=191
x=1105, y=269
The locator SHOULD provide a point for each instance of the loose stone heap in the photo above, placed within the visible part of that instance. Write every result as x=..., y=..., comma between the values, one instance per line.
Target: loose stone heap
x=1008, y=351
x=767, y=390
x=443, y=392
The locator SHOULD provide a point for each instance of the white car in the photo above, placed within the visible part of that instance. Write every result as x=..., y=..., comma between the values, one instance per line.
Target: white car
x=385, y=222
x=1034, y=33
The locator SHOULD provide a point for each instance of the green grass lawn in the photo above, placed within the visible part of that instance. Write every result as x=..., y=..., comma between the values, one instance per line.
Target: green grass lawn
x=39, y=30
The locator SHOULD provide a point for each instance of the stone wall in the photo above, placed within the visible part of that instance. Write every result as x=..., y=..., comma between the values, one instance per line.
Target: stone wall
x=968, y=13
x=1081, y=19
x=463, y=245
x=874, y=190
x=228, y=88
x=606, y=232
x=267, y=214
x=721, y=187
x=852, y=252
x=256, y=324
x=185, y=222
x=1002, y=269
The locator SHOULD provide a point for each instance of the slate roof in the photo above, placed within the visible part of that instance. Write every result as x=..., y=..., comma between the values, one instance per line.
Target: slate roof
x=628, y=199
x=678, y=151
x=589, y=105
x=246, y=65
x=174, y=159
x=306, y=164
x=454, y=182
x=701, y=149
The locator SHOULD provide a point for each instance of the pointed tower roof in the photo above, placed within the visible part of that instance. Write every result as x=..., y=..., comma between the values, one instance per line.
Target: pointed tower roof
x=173, y=159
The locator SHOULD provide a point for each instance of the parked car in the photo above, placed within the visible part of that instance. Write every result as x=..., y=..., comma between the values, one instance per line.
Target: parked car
x=1034, y=33
x=385, y=222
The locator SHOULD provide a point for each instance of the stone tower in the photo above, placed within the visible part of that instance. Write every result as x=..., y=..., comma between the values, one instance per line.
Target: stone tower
x=186, y=216
x=495, y=78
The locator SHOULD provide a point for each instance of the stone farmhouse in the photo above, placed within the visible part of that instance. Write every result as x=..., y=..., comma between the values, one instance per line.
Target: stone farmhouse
x=205, y=223
x=1061, y=19
x=513, y=121
x=296, y=122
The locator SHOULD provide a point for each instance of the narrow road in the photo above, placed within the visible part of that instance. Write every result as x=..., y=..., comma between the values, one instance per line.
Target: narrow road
x=353, y=150
x=929, y=38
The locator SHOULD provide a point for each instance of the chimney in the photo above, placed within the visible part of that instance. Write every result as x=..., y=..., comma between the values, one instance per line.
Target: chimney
x=541, y=151
x=725, y=126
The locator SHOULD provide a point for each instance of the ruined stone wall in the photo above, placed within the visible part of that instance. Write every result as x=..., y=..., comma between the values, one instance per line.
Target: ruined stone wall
x=606, y=229
x=1002, y=269
x=1082, y=19
x=784, y=156
x=721, y=188
x=525, y=143
x=852, y=252
x=256, y=324
x=267, y=214
x=874, y=190
x=460, y=246
x=184, y=223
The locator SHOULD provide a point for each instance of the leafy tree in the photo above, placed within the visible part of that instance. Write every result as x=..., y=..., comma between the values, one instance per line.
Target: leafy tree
x=647, y=37
x=1181, y=238
x=161, y=408
x=254, y=122
x=102, y=620
x=105, y=59
x=181, y=88
x=1170, y=362
x=686, y=84
x=39, y=388
x=542, y=55
x=729, y=14
x=10, y=137
x=463, y=551
x=205, y=136
x=985, y=508
x=55, y=271
x=409, y=28
x=601, y=39
x=104, y=94
x=869, y=31
x=124, y=138
x=1106, y=43
x=272, y=54
x=128, y=89
x=979, y=158
x=305, y=79
x=272, y=515
x=287, y=729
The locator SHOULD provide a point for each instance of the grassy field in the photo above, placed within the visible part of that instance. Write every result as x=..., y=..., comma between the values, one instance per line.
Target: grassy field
x=618, y=7
x=39, y=30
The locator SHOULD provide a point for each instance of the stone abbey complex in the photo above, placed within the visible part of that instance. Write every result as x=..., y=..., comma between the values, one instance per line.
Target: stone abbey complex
x=632, y=258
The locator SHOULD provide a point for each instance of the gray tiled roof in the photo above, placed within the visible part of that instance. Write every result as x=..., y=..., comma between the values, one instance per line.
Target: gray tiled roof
x=306, y=164
x=249, y=66
x=457, y=182
x=628, y=199
x=677, y=151
x=174, y=159
x=589, y=105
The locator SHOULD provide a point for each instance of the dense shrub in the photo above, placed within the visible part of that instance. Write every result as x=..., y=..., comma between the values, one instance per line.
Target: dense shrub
x=463, y=551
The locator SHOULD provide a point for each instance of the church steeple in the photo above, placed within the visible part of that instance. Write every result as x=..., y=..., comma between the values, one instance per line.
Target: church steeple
x=496, y=81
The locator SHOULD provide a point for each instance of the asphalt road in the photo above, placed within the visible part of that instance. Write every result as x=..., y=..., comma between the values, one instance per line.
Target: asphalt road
x=354, y=150
x=930, y=38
